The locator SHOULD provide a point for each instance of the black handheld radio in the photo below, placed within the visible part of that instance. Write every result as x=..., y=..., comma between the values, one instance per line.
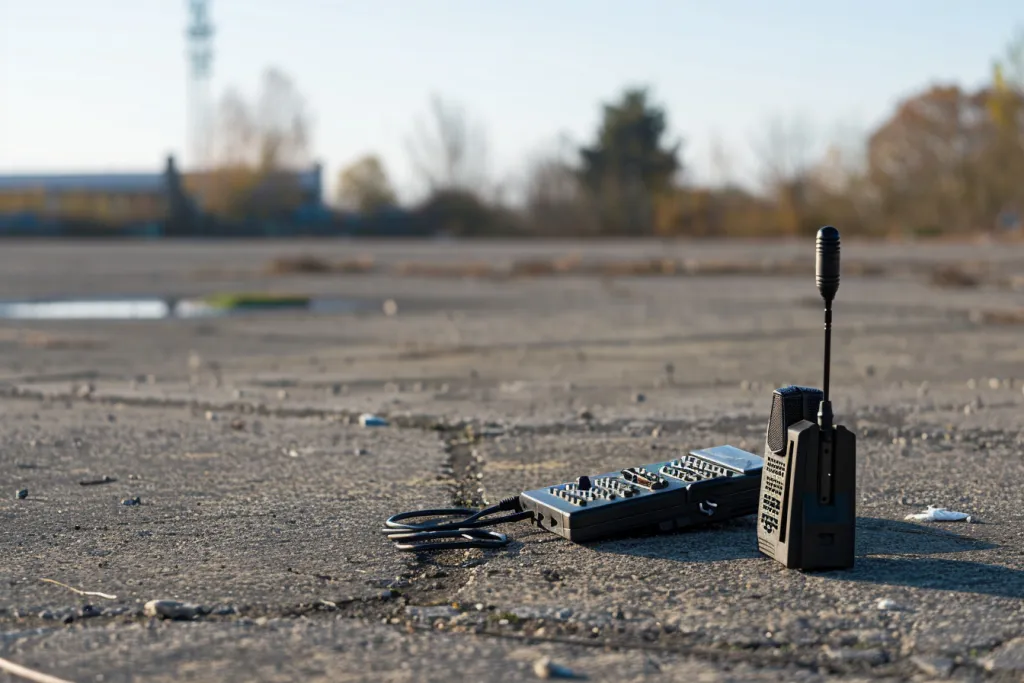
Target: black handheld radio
x=806, y=509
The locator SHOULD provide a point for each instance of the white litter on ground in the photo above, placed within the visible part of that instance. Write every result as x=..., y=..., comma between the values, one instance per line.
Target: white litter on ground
x=937, y=514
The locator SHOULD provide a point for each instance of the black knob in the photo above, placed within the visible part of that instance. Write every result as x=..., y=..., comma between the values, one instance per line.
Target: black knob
x=827, y=265
x=583, y=483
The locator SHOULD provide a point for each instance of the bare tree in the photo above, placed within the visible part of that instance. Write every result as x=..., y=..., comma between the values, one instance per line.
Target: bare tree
x=784, y=151
x=259, y=145
x=450, y=152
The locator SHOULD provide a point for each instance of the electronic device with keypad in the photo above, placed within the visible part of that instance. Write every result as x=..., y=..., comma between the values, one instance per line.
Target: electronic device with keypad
x=700, y=486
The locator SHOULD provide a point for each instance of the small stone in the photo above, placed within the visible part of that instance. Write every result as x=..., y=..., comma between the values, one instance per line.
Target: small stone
x=390, y=308
x=170, y=609
x=46, y=615
x=972, y=383
x=131, y=501
x=933, y=666
x=238, y=424
x=282, y=394
x=922, y=390
x=544, y=668
x=21, y=494
x=360, y=451
x=872, y=656
x=585, y=414
x=869, y=370
x=745, y=385
x=335, y=389
x=887, y=605
x=237, y=393
x=993, y=383
x=89, y=611
x=639, y=398
x=210, y=416
x=1009, y=657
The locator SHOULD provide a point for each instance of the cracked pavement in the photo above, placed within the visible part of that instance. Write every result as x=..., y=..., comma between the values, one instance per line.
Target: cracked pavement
x=262, y=497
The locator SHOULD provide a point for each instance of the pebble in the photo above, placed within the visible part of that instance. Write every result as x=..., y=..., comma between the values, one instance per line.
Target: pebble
x=887, y=605
x=1009, y=657
x=585, y=414
x=170, y=609
x=872, y=656
x=994, y=383
x=282, y=394
x=639, y=398
x=21, y=494
x=89, y=611
x=390, y=307
x=972, y=383
x=132, y=501
x=210, y=416
x=933, y=666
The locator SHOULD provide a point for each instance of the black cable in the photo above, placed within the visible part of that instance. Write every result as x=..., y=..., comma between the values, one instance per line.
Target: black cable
x=430, y=535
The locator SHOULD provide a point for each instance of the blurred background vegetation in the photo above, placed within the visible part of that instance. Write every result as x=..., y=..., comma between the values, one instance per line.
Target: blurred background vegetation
x=947, y=161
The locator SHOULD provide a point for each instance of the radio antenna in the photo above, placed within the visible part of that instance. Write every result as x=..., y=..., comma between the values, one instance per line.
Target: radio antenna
x=827, y=277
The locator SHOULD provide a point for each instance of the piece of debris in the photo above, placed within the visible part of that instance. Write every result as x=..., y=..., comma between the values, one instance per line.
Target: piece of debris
x=937, y=514
x=170, y=609
x=28, y=674
x=371, y=420
x=105, y=479
x=887, y=605
x=132, y=501
x=390, y=308
x=238, y=424
x=940, y=667
x=21, y=494
x=78, y=591
x=545, y=668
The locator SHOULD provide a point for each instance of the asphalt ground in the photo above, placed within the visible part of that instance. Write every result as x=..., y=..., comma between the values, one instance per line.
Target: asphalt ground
x=262, y=496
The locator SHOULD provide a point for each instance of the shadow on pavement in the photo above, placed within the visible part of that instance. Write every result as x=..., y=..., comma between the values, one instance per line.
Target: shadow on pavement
x=936, y=573
x=876, y=536
x=735, y=540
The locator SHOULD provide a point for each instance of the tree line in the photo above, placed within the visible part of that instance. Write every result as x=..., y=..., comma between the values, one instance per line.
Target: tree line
x=947, y=161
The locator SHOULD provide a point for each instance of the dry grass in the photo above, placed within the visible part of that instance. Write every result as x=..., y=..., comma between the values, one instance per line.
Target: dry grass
x=954, y=277
x=307, y=264
x=569, y=265
x=998, y=317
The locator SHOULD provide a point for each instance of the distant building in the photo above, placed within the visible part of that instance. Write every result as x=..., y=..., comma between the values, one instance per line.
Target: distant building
x=128, y=202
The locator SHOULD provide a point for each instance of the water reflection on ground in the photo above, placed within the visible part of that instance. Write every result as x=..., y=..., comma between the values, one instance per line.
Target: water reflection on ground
x=152, y=309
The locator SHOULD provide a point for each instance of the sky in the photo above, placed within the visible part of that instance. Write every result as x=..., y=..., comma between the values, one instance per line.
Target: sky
x=90, y=85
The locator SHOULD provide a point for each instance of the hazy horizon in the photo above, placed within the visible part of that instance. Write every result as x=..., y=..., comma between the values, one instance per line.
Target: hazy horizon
x=529, y=72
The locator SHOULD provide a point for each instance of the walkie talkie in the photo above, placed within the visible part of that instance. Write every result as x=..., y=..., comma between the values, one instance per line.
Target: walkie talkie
x=806, y=510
